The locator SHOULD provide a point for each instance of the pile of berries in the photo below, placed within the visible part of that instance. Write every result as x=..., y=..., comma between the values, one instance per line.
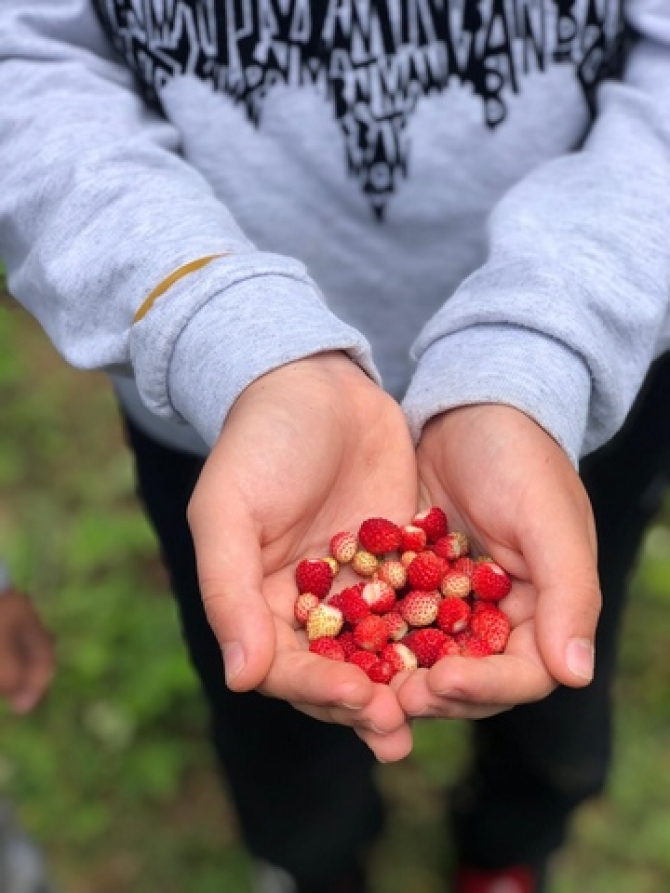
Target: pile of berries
x=421, y=597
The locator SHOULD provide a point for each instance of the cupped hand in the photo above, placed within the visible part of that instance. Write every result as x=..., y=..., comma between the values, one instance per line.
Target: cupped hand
x=307, y=450
x=26, y=653
x=506, y=483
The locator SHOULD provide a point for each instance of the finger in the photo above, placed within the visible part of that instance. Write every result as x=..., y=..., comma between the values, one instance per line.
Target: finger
x=325, y=685
x=389, y=748
x=568, y=593
x=37, y=661
x=230, y=575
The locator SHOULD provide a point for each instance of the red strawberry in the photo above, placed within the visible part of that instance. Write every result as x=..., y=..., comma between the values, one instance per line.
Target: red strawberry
x=492, y=627
x=346, y=640
x=399, y=656
x=343, y=547
x=324, y=620
x=381, y=671
x=425, y=571
x=455, y=583
x=397, y=625
x=426, y=644
x=412, y=538
x=327, y=647
x=363, y=659
x=471, y=645
x=452, y=546
x=489, y=581
x=464, y=565
x=304, y=603
x=394, y=573
x=448, y=647
x=433, y=521
x=372, y=633
x=352, y=604
x=364, y=563
x=453, y=615
x=380, y=596
x=378, y=536
x=314, y=575
x=419, y=608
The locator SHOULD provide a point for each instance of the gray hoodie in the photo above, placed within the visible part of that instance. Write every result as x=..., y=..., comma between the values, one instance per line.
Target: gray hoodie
x=470, y=197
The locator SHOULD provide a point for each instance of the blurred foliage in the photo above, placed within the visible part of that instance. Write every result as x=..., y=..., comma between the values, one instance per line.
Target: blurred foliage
x=114, y=774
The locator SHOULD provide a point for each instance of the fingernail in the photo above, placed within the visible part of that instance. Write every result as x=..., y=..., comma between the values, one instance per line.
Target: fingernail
x=579, y=657
x=233, y=659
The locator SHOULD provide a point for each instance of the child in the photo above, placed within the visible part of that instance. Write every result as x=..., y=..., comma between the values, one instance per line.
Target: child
x=486, y=211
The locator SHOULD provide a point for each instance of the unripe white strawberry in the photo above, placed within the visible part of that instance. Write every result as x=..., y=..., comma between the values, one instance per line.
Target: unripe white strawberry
x=324, y=620
x=455, y=584
x=304, y=604
x=394, y=573
x=365, y=563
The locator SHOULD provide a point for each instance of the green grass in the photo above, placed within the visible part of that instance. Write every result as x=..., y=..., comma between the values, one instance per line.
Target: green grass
x=113, y=773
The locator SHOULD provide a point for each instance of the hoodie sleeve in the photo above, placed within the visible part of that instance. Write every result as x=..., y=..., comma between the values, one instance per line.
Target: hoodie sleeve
x=571, y=306
x=97, y=208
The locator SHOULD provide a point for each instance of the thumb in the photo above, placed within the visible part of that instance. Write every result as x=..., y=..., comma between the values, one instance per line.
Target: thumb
x=231, y=575
x=565, y=574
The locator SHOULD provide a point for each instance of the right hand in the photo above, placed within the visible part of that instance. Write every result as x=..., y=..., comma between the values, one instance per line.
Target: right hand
x=26, y=653
x=307, y=450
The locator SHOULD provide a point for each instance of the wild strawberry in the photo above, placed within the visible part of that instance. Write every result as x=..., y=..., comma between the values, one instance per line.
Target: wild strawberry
x=343, y=547
x=456, y=584
x=381, y=671
x=363, y=659
x=448, y=648
x=304, y=603
x=489, y=581
x=426, y=644
x=394, y=573
x=412, y=538
x=433, y=521
x=406, y=558
x=378, y=536
x=332, y=564
x=346, y=640
x=399, y=656
x=452, y=546
x=453, y=615
x=380, y=596
x=464, y=565
x=365, y=564
x=314, y=575
x=324, y=620
x=327, y=647
x=478, y=606
x=372, y=633
x=471, y=645
x=419, y=608
x=397, y=625
x=425, y=572
x=492, y=627
x=352, y=604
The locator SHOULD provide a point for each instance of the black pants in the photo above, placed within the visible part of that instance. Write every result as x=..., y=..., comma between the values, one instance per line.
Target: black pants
x=535, y=764
x=304, y=791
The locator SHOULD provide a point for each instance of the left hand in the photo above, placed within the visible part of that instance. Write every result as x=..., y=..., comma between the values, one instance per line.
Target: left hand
x=511, y=488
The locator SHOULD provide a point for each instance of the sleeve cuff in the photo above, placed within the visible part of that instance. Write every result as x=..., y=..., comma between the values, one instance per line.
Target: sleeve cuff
x=243, y=325
x=491, y=364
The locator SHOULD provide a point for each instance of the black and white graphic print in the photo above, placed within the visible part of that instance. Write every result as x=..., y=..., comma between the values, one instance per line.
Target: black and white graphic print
x=373, y=60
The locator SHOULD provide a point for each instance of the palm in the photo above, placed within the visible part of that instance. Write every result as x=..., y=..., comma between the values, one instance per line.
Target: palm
x=505, y=483
x=308, y=451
